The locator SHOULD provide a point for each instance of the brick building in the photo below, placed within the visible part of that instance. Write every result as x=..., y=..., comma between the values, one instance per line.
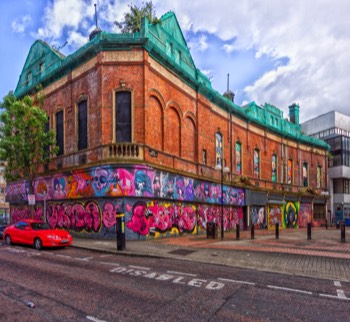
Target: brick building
x=143, y=134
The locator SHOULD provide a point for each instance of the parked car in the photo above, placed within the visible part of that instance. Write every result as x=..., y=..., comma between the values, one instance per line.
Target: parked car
x=36, y=233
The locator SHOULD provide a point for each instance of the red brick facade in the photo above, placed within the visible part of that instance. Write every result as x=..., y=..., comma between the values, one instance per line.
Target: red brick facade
x=172, y=119
x=174, y=125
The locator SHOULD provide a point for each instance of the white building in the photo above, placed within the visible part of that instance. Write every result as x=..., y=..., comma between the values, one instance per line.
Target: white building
x=334, y=128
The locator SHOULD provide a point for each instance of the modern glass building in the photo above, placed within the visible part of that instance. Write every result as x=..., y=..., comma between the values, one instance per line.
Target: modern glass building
x=334, y=128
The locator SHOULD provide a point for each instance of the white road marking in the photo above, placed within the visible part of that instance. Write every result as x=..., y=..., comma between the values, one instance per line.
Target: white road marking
x=86, y=259
x=335, y=297
x=139, y=267
x=106, y=255
x=64, y=256
x=337, y=283
x=289, y=289
x=235, y=281
x=91, y=318
x=109, y=263
x=180, y=273
x=341, y=294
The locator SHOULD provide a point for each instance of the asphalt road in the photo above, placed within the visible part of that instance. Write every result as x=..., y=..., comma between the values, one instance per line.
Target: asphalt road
x=81, y=285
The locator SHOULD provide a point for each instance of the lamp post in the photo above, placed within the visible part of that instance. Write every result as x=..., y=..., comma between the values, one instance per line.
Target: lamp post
x=223, y=170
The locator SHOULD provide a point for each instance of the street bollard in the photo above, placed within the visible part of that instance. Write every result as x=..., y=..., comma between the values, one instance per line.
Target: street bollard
x=277, y=231
x=237, y=232
x=252, y=231
x=342, y=232
x=309, y=230
x=120, y=231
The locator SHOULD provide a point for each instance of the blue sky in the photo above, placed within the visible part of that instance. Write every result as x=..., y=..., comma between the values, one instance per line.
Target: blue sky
x=279, y=52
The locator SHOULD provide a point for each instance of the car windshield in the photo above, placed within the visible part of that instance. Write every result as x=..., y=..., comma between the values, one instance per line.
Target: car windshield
x=40, y=226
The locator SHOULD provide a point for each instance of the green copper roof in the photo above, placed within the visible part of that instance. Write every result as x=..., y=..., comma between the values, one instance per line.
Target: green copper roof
x=164, y=42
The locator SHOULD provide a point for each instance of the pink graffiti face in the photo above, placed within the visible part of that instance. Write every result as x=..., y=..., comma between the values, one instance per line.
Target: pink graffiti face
x=109, y=215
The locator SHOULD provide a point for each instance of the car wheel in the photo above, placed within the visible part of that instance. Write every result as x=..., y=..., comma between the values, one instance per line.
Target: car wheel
x=8, y=240
x=38, y=244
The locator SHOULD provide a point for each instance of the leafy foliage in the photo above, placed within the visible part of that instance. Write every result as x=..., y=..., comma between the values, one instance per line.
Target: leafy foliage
x=132, y=19
x=24, y=141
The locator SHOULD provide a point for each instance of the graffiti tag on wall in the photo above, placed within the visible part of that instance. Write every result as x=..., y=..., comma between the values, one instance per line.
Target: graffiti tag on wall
x=144, y=218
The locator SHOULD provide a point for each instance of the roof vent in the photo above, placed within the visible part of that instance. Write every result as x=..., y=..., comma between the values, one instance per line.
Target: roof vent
x=229, y=94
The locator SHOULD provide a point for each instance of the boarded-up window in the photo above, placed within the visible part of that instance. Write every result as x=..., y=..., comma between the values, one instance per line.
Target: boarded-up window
x=82, y=125
x=123, y=116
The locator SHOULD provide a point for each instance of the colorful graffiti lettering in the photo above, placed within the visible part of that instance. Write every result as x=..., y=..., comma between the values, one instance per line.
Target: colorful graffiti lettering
x=76, y=217
x=144, y=218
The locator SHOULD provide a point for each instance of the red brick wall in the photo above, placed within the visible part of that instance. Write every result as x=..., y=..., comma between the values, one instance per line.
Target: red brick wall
x=169, y=117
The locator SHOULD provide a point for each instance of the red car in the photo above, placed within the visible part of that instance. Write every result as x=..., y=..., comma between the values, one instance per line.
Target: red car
x=36, y=233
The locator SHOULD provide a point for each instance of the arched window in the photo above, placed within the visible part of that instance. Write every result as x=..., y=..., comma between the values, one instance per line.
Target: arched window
x=218, y=149
x=319, y=176
x=274, y=168
x=60, y=132
x=256, y=163
x=123, y=116
x=238, y=158
x=305, y=174
x=290, y=171
x=82, y=125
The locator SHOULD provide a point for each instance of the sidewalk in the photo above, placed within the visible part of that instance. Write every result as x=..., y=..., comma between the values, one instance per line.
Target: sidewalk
x=323, y=256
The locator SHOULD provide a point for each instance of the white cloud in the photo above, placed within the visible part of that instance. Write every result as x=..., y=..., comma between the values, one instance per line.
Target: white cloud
x=313, y=37
x=20, y=24
x=65, y=14
x=307, y=44
x=228, y=48
x=76, y=39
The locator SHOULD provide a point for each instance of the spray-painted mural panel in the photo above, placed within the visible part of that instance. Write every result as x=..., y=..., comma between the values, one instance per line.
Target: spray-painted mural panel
x=305, y=214
x=144, y=218
x=137, y=181
x=257, y=217
x=291, y=213
x=275, y=215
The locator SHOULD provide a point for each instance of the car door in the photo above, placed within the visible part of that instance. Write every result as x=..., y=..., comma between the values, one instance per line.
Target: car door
x=28, y=233
x=22, y=233
x=17, y=232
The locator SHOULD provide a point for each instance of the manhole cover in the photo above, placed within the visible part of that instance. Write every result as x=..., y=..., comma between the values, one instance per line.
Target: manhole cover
x=182, y=252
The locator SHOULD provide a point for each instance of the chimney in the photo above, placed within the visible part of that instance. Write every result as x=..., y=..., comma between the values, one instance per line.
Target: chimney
x=294, y=113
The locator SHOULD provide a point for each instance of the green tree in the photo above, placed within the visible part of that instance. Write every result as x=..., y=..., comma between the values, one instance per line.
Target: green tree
x=132, y=19
x=25, y=141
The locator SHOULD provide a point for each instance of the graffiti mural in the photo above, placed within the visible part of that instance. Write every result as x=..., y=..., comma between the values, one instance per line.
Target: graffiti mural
x=144, y=218
x=291, y=212
x=275, y=215
x=122, y=182
x=305, y=214
x=257, y=217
